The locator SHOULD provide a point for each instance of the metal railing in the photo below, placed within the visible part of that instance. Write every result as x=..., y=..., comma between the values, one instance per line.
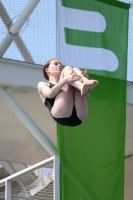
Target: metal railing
x=40, y=181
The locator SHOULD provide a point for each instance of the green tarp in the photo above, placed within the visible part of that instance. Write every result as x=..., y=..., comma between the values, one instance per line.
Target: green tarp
x=92, y=154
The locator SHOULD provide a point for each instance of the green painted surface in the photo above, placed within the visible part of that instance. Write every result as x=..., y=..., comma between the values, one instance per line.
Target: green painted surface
x=92, y=154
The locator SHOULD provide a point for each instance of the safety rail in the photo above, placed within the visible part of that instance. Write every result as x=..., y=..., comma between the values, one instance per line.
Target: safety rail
x=39, y=181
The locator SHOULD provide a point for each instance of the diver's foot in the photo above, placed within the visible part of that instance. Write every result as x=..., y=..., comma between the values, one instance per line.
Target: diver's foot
x=92, y=87
x=87, y=86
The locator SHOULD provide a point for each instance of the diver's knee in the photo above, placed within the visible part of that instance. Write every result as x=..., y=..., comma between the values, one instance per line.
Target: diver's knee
x=75, y=68
x=68, y=68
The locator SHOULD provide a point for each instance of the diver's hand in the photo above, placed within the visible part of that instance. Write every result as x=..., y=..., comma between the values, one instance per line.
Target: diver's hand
x=72, y=77
x=85, y=74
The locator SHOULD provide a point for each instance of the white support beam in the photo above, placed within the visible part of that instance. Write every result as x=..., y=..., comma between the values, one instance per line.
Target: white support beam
x=23, y=16
x=16, y=27
x=4, y=16
x=57, y=178
x=16, y=73
x=8, y=190
x=23, y=49
x=17, y=39
x=6, y=43
x=28, y=122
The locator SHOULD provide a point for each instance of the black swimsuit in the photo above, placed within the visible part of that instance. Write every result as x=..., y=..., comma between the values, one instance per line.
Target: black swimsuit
x=73, y=120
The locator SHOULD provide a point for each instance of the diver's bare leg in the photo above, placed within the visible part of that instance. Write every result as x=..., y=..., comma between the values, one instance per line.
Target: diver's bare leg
x=81, y=106
x=84, y=79
x=79, y=84
x=63, y=104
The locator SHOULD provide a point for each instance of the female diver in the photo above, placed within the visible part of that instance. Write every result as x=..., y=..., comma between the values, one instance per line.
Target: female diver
x=65, y=93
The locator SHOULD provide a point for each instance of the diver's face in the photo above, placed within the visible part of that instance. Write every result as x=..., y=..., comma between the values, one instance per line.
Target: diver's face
x=54, y=68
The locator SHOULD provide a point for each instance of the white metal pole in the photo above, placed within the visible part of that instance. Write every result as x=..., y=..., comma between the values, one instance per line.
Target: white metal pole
x=29, y=169
x=18, y=41
x=23, y=16
x=27, y=121
x=8, y=190
x=23, y=49
x=56, y=178
x=6, y=43
x=15, y=28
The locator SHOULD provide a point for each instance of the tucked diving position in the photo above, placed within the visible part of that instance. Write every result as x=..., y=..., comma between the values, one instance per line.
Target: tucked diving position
x=66, y=92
